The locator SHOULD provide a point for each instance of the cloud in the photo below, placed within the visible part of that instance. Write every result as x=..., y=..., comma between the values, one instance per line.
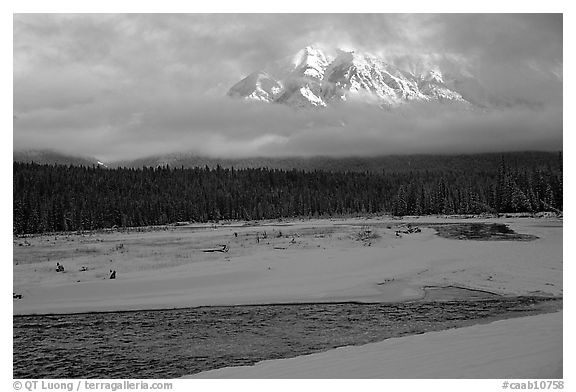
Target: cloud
x=129, y=128
x=124, y=86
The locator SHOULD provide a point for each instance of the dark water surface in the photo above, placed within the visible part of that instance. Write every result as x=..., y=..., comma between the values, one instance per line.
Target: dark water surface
x=476, y=231
x=173, y=343
x=480, y=232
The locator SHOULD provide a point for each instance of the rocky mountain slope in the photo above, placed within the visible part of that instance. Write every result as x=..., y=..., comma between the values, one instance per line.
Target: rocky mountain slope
x=314, y=79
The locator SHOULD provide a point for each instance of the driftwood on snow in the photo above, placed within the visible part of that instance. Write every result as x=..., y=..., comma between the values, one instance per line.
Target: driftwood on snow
x=220, y=248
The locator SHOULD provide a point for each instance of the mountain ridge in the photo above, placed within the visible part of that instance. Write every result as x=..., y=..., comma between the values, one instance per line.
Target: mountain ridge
x=392, y=163
x=313, y=79
x=52, y=157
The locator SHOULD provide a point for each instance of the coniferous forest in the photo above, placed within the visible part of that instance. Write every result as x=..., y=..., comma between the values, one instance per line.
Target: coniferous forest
x=62, y=198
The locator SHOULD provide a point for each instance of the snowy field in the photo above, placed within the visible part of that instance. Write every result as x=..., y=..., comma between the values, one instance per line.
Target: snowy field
x=527, y=347
x=372, y=260
x=299, y=261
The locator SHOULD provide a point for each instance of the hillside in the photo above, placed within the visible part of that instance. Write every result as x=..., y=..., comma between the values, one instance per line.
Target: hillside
x=50, y=157
x=390, y=163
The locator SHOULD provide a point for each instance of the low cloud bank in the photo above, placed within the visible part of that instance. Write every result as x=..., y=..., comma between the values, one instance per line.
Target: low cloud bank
x=132, y=127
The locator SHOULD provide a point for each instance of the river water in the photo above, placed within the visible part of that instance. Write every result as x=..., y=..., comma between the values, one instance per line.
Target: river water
x=173, y=343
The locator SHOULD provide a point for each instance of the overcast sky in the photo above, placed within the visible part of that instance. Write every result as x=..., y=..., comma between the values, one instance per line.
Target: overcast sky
x=126, y=86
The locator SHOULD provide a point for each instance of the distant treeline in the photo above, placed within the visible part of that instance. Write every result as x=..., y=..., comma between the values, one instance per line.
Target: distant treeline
x=389, y=163
x=61, y=198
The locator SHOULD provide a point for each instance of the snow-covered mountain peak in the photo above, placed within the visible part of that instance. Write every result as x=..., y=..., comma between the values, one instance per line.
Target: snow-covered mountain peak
x=312, y=79
x=310, y=62
x=257, y=86
x=361, y=60
x=434, y=76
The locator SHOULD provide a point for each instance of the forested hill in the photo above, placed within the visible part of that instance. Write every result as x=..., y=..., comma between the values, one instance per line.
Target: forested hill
x=389, y=163
x=61, y=198
x=52, y=158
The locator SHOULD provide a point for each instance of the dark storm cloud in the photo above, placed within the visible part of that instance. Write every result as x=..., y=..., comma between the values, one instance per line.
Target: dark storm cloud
x=123, y=86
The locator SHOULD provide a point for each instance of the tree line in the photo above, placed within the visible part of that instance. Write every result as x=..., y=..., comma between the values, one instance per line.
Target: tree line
x=64, y=198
